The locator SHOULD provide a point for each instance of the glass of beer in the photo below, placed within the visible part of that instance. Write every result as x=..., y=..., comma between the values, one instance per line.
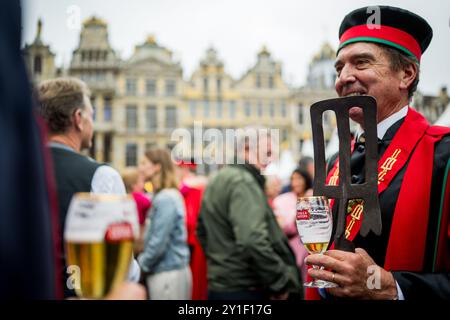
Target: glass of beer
x=99, y=234
x=314, y=225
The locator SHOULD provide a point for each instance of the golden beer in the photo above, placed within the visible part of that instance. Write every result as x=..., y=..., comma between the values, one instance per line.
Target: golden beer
x=99, y=235
x=317, y=247
x=102, y=266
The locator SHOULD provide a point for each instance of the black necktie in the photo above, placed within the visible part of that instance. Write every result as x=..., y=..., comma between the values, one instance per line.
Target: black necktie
x=357, y=159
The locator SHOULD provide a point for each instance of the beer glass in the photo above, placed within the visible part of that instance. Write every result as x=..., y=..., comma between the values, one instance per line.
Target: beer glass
x=314, y=225
x=99, y=234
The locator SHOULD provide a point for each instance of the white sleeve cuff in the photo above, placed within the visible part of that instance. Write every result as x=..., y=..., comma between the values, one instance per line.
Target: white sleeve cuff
x=135, y=271
x=107, y=180
x=400, y=295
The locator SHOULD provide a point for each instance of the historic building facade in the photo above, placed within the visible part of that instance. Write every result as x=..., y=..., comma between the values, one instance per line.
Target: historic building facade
x=141, y=100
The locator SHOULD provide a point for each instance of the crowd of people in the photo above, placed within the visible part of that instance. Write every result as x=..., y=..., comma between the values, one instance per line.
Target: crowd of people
x=170, y=254
x=233, y=235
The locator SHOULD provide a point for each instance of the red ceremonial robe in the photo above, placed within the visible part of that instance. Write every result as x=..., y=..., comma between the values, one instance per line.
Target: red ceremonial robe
x=413, y=142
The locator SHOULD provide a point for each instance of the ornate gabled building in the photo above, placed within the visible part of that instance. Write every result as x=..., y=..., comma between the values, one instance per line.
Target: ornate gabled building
x=148, y=92
x=211, y=101
x=95, y=62
x=319, y=86
x=265, y=96
x=140, y=101
x=39, y=59
x=321, y=74
x=432, y=107
x=210, y=95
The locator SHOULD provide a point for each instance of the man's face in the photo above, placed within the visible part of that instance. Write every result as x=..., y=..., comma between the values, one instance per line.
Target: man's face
x=364, y=69
x=87, y=124
x=260, y=155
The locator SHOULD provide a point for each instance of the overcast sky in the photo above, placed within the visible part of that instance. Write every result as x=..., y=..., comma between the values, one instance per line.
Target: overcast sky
x=293, y=30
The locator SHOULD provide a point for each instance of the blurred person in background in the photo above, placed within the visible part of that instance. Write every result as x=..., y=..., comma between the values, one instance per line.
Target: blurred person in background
x=134, y=185
x=248, y=255
x=30, y=241
x=273, y=188
x=165, y=258
x=307, y=164
x=285, y=209
x=192, y=187
x=65, y=105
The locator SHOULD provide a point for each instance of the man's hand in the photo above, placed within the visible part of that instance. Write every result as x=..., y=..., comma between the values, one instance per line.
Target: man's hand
x=351, y=271
x=127, y=291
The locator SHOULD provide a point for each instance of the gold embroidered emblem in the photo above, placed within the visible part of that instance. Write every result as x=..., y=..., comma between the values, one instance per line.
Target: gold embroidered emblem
x=387, y=165
x=355, y=207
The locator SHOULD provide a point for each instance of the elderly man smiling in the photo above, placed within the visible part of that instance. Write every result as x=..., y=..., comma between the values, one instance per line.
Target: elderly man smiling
x=411, y=258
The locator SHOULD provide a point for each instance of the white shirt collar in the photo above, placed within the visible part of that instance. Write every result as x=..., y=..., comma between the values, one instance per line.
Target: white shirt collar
x=384, y=125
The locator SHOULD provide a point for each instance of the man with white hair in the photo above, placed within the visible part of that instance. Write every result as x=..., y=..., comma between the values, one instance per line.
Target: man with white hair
x=247, y=253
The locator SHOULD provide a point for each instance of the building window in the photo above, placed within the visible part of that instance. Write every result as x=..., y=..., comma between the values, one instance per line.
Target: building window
x=272, y=109
x=93, y=107
x=193, y=108
x=107, y=113
x=260, y=109
x=151, y=118
x=284, y=135
x=271, y=82
x=300, y=114
x=219, y=84
x=219, y=109
x=206, y=109
x=38, y=64
x=150, y=87
x=131, y=118
x=131, y=155
x=205, y=84
x=232, y=109
x=248, y=109
x=300, y=145
x=326, y=118
x=283, y=109
x=171, y=117
x=258, y=81
x=170, y=88
x=131, y=87
x=107, y=145
x=107, y=109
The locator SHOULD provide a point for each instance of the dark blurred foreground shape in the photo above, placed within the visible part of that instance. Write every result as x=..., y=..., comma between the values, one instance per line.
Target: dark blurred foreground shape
x=27, y=259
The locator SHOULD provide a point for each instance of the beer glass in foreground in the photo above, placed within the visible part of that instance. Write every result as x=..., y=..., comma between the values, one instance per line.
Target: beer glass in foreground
x=99, y=235
x=314, y=225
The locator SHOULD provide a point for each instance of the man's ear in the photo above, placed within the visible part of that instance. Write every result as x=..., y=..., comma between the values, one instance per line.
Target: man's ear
x=408, y=75
x=78, y=119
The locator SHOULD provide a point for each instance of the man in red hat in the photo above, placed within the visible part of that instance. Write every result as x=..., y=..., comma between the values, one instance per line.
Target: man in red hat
x=411, y=258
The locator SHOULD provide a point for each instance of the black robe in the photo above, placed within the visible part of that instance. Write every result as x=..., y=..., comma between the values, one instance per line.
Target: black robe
x=413, y=285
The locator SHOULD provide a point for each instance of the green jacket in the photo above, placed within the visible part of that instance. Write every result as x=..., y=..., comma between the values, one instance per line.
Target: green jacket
x=244, y=246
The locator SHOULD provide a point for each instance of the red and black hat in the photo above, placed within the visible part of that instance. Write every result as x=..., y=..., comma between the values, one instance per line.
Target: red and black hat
x=398, y=28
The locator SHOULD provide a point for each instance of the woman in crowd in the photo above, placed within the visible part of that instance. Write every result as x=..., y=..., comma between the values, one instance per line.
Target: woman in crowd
x=165, y=258
x=285, y=211
x=134, y=185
